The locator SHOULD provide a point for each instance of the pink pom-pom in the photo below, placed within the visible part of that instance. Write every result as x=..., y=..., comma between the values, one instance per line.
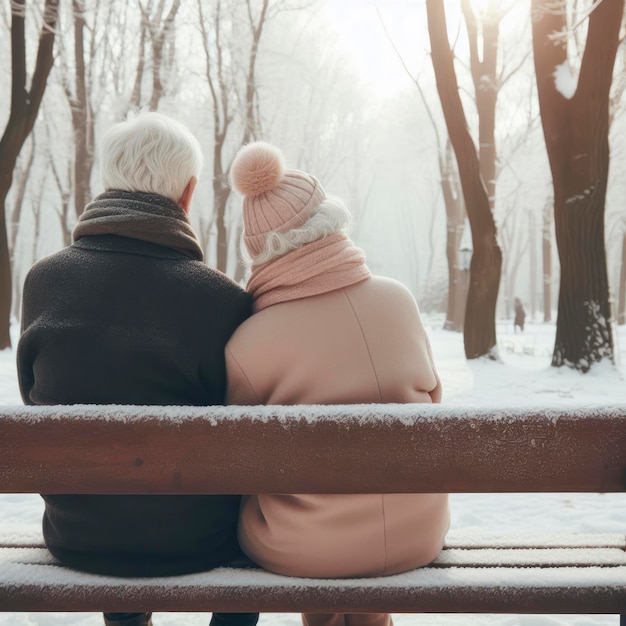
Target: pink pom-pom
x=257, y=168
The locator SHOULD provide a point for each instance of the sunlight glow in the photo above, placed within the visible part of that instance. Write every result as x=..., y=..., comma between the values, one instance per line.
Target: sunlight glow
x=370, y=31
x=388, y=40
x=482, y=7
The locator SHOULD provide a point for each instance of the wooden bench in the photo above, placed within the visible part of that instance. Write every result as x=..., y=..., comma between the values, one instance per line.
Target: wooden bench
x=325, y=449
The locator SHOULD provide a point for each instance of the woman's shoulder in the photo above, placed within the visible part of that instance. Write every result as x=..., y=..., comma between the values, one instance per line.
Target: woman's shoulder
x=387, y=290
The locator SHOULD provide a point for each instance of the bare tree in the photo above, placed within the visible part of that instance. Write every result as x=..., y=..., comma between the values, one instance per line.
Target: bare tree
x=532, y=247
x=25, y=104
x=546, y=255
x=615, y=106
x=483, y=63
x=94, y=61
x=483, y=44
x=135, y=98
x=454, y=206
x=22, y=172
x=621, y=298
x=222, y=79
x=480, y=329
x=21, y=176
x=62, y=174
x=110, y=77
x=576, y=126
x=455, y=225
x=159, y=28
x=82, y=111
x=516, y=242
x=223, y=116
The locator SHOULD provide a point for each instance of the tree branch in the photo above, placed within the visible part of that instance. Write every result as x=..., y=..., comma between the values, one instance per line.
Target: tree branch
x=18, y=56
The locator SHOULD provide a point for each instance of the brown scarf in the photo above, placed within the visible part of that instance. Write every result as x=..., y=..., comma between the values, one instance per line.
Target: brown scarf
x=318, y=267
x=146, y=216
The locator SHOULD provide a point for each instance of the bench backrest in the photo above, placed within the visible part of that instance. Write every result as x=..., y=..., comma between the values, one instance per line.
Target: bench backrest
x=311, y=449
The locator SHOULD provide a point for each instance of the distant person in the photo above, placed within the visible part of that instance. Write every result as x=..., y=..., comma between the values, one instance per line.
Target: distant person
x=325, y=331
x=520, y=315
x=129, y=314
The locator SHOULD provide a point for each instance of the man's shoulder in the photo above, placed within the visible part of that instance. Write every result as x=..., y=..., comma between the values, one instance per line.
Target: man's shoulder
x=211, y=278
x=214, y=286
x=57, y=261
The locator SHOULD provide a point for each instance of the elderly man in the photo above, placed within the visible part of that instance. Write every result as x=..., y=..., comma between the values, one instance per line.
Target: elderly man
x=129, y=314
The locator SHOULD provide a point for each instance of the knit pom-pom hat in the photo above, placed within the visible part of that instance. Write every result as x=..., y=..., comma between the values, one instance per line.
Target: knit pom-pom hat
x=275, y=198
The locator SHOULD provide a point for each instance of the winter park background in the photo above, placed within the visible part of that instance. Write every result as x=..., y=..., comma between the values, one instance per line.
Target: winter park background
x=346, y=88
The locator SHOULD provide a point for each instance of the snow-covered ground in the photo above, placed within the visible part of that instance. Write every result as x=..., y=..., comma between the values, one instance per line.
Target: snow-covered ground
x=524, y=377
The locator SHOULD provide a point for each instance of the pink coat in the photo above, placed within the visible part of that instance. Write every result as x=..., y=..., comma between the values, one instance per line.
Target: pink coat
x=361, y=344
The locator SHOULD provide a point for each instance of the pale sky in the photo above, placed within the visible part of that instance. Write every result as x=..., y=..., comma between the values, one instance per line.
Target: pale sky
x=365, y=40
x=360, y=25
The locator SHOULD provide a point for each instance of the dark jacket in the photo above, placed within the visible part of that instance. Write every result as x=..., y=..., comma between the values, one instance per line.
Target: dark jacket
x=115, y=320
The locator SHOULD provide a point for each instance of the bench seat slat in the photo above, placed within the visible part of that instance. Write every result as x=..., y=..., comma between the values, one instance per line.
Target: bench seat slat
x=471, y=539
x=531, y=557
x=503, y=590
x=551, y=557
x=30, y=535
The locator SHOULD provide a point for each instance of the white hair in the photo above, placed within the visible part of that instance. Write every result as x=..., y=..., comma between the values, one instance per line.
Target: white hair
x=331, y=216
x=150, y=152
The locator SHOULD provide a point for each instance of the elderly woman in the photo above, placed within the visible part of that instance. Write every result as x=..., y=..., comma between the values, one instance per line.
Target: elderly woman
x=325, y=331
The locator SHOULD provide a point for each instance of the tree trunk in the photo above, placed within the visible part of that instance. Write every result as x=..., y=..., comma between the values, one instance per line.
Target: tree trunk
x=16, y=215
x=546, y=251
x=6, y=284
x=18, y=203
x=455, y=221
x=576, y=132
x=480, y=328
x=621, y=302
x=241, y=268
x=222, y=118
x=483, y=67
x=532, y=237
x=82, y=117
x=220, y=89
x=159, y=36
x=36, y=208
x=23, y=113
x=220, y=195
x=135, y=97
x=251, y=128
x=65, y=195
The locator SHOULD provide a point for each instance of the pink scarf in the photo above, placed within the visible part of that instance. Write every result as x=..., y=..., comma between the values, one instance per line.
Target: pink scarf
x=318, y=267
